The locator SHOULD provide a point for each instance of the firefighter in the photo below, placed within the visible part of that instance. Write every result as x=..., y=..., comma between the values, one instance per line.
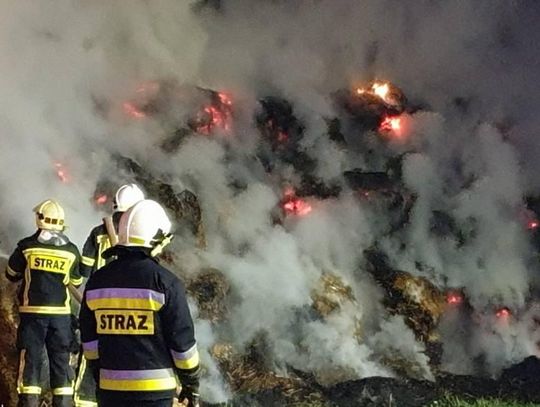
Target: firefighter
x=46, y=262
x=100, y=240
x=136, y=327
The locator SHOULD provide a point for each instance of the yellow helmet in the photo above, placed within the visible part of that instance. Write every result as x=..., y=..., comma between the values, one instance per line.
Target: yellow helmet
x=49, y=215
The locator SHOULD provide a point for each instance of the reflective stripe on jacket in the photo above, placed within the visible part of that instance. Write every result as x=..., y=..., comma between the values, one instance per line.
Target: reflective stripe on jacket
x=46, y=270
x=137, y=327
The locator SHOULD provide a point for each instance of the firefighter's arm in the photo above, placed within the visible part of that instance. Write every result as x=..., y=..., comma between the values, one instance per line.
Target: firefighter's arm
x=180, y=337
x=75, y=277
x=89, y=337
x=16, y=265
x=89, y=253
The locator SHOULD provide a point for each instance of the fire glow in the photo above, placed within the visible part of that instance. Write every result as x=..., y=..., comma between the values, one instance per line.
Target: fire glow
x=101, y=199
x=379, y=89
x=292, y=205
x=503, y=313
x=133, y=111
x=217, y=115
x=297, y=206
x=454, y=298
x=61, y=172
x=391, y=124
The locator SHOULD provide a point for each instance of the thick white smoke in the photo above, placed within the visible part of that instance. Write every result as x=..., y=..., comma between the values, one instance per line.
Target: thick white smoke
x=65, y=67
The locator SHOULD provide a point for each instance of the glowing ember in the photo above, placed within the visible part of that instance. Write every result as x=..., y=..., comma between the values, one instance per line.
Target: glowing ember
x=210, y=118
x=61, y=172
x=225, y=99
x=454, y=298
x=391, y=124
x=282, y=137
x=503, y=313
x=289, y=192
x=133, y=111
x=148, y=87
x=533, y=224
x=102, y=199
x=297, y=206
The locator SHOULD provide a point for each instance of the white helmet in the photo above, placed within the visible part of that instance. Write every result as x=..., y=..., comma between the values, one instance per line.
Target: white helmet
x=127, y=196
x=144, y=224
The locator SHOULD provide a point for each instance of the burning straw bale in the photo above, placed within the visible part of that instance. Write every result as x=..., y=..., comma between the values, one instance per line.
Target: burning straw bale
x=329, y=295
x=210, y=288
x=185, y=206
x=370, y=106
x=416, y=298
x=250, y=373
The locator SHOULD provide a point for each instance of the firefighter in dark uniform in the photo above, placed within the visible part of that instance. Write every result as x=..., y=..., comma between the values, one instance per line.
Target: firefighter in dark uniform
x=100, y=240
x=46, y=262
x=136, y=327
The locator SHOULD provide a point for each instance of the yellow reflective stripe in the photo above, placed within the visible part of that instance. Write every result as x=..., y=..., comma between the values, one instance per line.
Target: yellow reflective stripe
x=63, y=391
x=124, y=303
x=20, y=372
x=104, y=243
x=186, y=364
x=78, y=401
x=28, y=280
x=76, y=281
x=136, y=240
x=167, y=383
x=36, y=309
x=71, y=257
x=11, y=272
x=29, y=390
x=91, y=354
x=80, y=375
x=88, y=261
x=84, y=403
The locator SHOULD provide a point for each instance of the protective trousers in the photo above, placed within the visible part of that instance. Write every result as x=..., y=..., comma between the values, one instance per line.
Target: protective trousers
x=36, y=333
x=85, y=385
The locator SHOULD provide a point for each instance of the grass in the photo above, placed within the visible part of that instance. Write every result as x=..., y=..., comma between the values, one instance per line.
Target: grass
x=457, y=402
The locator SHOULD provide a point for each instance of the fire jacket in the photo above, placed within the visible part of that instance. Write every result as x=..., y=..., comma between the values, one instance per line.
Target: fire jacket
x=136, y=328
x=97, y=242
x=46, y=270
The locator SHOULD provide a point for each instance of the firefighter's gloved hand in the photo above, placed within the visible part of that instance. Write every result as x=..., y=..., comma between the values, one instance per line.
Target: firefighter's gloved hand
x=189, y=395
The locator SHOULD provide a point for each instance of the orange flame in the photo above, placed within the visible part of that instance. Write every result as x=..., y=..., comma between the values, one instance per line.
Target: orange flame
x=381, y=90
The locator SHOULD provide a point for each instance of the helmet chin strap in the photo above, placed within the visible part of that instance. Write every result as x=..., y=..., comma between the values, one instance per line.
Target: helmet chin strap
x=164, y=241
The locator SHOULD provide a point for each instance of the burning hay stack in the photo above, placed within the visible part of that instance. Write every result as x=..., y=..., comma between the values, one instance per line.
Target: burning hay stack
x=319, y=219
x=415, y=298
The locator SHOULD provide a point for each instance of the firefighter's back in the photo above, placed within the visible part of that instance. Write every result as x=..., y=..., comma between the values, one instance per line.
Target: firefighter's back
x=126, y=297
